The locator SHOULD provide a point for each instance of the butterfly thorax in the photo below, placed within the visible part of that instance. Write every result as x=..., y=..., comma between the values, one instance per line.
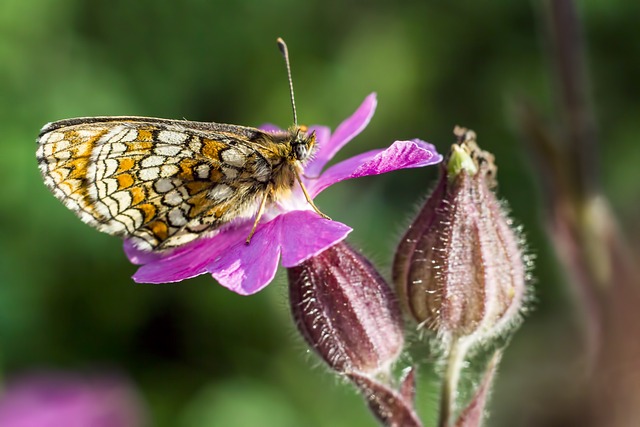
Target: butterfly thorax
x=289, y=153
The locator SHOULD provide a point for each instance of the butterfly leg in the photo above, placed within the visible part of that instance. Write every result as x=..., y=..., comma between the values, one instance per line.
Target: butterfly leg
x=263, y=203
x=309, y=200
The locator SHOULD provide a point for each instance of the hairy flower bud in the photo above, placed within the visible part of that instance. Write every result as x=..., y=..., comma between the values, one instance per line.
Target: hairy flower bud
x=346, y=311
x=460, y=269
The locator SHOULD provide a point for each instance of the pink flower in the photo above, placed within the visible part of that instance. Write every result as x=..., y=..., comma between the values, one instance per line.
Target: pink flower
x=63, y=400
x=290, y=230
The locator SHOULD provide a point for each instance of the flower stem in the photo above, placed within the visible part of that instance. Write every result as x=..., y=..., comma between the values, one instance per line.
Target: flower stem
x=449, y=391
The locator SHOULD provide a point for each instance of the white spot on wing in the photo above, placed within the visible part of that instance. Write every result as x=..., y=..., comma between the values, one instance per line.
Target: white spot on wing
x=163, y=185
x=233, y=157
x=173, y=198
x=45, y=150
x=124, y=134
x=62, y=155
x=151, y=161
x=85, y=133
x=131, y=135
x=113, y=135
x=167, y=150
x=171, y=137
x=195, y=145
x=176, y=217
x=62, y=145
x=117, y=148
x=110, y=167
x=220, y=192
x=202, y=171
x=123, y=198
x=111, y=185
x=112, y=205
x=149, y=174
x=52, y=137
x=135, y=215
x=169, y=170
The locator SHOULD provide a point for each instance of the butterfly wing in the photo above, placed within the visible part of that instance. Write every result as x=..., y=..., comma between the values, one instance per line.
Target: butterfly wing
x=161, y=183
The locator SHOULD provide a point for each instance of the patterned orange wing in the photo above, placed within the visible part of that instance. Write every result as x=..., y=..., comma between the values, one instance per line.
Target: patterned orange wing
x=161, y=183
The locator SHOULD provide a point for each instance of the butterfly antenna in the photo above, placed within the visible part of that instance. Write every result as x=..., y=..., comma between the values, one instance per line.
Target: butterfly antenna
x=285, y=53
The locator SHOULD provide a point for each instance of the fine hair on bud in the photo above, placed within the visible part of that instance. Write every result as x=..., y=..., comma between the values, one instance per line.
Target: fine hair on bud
x=460, y=268
x=346, y=311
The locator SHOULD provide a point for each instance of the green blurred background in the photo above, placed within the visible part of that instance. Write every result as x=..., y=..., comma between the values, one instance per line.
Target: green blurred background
x=199, y=354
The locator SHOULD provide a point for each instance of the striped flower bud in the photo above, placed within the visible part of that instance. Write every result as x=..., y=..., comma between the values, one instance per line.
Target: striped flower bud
x=460, y=269
x=346, y=311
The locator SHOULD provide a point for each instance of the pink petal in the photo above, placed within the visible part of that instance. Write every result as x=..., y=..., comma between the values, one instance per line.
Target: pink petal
x=400, y=155
x=246, y=269
x=323, y=134
x=297, y=235
x=190, y=260
x=306, y=234
x=345, y=132
x=323, y=137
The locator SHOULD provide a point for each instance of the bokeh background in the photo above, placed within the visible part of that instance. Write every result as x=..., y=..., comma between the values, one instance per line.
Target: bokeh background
x=197, y=354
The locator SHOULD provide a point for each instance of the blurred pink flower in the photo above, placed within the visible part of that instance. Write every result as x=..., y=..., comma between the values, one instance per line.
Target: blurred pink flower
x=70, y=400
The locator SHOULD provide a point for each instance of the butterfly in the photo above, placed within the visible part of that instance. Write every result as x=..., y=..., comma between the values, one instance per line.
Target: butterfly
x=163, y=183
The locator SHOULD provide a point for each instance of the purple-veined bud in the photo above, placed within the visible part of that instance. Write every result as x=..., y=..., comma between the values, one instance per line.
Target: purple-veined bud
x=346, y=311
x=460, y=268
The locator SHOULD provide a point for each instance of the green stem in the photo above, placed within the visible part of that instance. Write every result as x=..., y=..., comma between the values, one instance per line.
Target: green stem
x=449, y=391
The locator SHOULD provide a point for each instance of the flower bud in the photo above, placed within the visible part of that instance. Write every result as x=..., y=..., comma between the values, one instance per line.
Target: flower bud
x=346, y=311
x=460, y=268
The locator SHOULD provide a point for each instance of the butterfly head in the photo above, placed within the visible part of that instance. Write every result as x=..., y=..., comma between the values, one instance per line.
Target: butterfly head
x=302, y=143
